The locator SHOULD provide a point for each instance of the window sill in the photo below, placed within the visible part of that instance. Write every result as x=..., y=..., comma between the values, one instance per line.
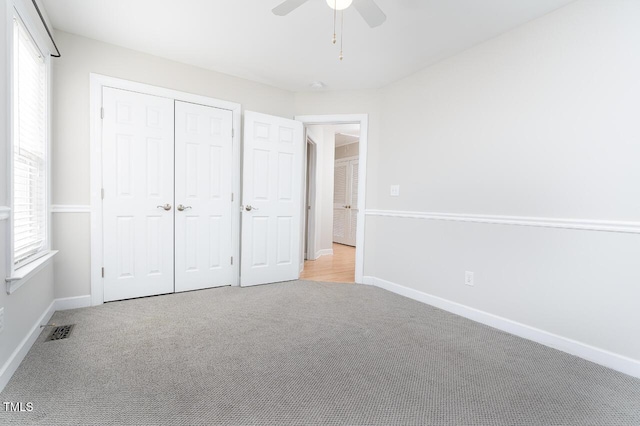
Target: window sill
x=23, y=274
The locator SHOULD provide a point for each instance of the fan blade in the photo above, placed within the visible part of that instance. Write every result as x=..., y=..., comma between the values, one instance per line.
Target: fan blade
x=370, y=12
x=287, y=7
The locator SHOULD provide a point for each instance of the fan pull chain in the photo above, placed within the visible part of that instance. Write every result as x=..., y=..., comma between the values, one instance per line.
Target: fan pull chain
x=341, y=33
x=334, y=21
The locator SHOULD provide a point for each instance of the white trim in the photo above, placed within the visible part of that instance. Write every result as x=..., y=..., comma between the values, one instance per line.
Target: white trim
x=21, y=275
x=21, y=351
x=543, y=222
x=324, y=252
x=70, y=208
x=346, y=144
x=353, y=157
x=590, y=353
x=5, y=212
x=367, y=280
x=310, y=213
x=66, y=303
x=363, y=120
x=97, y=82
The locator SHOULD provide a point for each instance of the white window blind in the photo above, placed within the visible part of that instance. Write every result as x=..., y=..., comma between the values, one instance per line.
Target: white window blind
x=29, y=148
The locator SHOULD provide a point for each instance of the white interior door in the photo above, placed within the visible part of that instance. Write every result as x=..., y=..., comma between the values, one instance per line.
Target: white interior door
x=353, y=202
x=340, y=200
x=271, y=191
x=345, y=201
x=137, y=153
x=203, y=191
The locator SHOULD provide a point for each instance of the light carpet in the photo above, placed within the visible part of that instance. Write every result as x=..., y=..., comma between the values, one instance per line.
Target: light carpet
x=305, y=353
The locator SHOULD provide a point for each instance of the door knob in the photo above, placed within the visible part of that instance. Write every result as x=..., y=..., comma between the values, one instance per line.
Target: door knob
x=167, y=207
x=249, y=208
x=183, y=208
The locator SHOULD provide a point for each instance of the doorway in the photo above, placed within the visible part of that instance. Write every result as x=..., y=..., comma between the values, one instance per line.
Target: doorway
x=332, y=176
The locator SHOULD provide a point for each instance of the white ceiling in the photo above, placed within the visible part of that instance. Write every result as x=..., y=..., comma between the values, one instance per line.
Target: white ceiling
x=243, y=37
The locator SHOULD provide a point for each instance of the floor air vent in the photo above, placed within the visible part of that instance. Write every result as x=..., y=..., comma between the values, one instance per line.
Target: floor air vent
x=61, y=332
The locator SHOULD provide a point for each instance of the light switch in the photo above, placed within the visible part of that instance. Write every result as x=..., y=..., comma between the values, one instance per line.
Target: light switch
x=395, y=191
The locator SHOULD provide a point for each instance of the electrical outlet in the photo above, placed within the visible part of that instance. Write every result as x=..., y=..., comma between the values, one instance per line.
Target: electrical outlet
x=468, y=278
x=1, y=320
x=395, y=191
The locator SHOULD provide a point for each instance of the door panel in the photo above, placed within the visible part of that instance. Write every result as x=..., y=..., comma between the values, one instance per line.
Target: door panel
x=345, y=201
x=137, y=152
x=353, y=202
x=340, y=201
x=272, y=191
x=203, y=164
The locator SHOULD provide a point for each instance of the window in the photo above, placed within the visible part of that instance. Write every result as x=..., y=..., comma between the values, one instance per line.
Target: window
x=29, y=153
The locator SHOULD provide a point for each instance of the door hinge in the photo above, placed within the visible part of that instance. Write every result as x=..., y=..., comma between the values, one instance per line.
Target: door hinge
x=232, y=260
x=103, y=272
x=233, y=132
x=232, y=197
x=102, y=112
x=102, y=193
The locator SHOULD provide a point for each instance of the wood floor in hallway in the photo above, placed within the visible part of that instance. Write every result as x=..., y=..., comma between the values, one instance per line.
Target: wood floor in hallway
x=338, y=268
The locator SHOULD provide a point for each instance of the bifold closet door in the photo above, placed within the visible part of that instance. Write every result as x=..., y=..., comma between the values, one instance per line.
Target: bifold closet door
x=203, y=191
x=138, y=184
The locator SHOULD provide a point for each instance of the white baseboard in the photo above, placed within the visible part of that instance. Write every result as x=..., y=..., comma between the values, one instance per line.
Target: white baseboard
x=367, y=280
x=590, y=353
x=324, y=252
x=21, y=351
x=72, y=302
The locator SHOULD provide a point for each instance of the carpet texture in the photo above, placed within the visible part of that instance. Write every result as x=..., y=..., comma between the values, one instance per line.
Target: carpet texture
x=304, y=353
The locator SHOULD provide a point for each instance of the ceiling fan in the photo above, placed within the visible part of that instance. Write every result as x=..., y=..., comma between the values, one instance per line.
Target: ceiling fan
x=369, y=10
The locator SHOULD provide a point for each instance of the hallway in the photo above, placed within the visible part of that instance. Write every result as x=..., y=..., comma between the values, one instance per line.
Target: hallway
x=339, y=268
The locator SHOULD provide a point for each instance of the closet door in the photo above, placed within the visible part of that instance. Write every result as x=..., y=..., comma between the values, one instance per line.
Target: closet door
x=203, y=227
x=137, y=155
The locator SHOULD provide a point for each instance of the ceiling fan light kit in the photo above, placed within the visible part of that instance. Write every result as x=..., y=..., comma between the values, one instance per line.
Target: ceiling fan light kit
x=339, y=4
x=368, y=9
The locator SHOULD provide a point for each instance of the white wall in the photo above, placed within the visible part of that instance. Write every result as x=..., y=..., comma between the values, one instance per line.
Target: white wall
x=80, y=57
x=539, y=122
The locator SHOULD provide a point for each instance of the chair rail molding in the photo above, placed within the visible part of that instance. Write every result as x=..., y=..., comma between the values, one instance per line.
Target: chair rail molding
x=70, y=208
x=541, y=222
x=4, y=212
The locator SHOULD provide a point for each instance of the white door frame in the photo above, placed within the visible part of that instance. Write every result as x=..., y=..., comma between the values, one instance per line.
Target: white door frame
x=97, y=82
x=310, y=234
x=363, y=120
